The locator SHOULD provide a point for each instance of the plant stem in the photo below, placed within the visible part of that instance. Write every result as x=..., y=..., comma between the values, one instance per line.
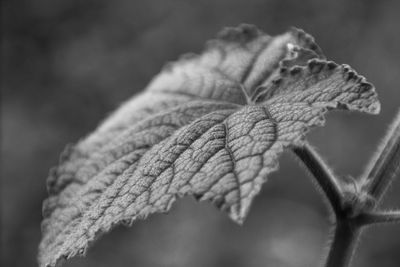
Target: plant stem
x=344, y=244
x=379, y=175
x=385, y=165
x=348, y=231
x=375, y=217
x=322, y=174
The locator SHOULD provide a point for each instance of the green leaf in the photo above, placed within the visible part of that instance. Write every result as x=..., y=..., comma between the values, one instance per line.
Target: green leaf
x=209, y=125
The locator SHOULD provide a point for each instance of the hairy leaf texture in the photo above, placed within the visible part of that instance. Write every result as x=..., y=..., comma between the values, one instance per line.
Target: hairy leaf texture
x=209, y=125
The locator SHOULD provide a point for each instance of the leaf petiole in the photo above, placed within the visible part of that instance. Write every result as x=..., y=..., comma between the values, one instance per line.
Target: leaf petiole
x=376, y=217
x=322, y=174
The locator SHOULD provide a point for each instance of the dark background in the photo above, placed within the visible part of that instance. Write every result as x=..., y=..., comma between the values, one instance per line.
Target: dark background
x=67, y=64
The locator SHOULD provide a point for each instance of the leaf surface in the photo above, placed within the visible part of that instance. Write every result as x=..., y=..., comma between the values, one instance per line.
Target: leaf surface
x=210, y=125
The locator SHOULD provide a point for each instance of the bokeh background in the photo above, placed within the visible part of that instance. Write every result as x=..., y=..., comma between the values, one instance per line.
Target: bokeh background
x=67, y=64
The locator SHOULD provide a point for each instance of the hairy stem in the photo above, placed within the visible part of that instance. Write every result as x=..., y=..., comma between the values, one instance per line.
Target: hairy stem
x=385, y=165
x=375, y=217
x=348, y=231
x=344, y=244
x=380, y=173
x=322, y=174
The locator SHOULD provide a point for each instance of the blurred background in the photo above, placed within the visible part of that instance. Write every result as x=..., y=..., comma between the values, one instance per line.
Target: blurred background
x=67, y=64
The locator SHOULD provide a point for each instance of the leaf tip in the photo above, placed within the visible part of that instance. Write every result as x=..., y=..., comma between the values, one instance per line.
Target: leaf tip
x=238, y=212
x=237, y=217
x=375, y=108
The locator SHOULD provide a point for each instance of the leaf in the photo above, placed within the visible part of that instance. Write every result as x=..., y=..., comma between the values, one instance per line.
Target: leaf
x=209, y=125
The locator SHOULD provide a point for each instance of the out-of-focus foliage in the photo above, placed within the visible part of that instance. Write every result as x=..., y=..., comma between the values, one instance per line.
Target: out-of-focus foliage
x=66, y=64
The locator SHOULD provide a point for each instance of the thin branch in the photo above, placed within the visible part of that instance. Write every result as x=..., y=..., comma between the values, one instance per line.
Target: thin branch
x=322, y=174
x=379, y=217
x=385, y=165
